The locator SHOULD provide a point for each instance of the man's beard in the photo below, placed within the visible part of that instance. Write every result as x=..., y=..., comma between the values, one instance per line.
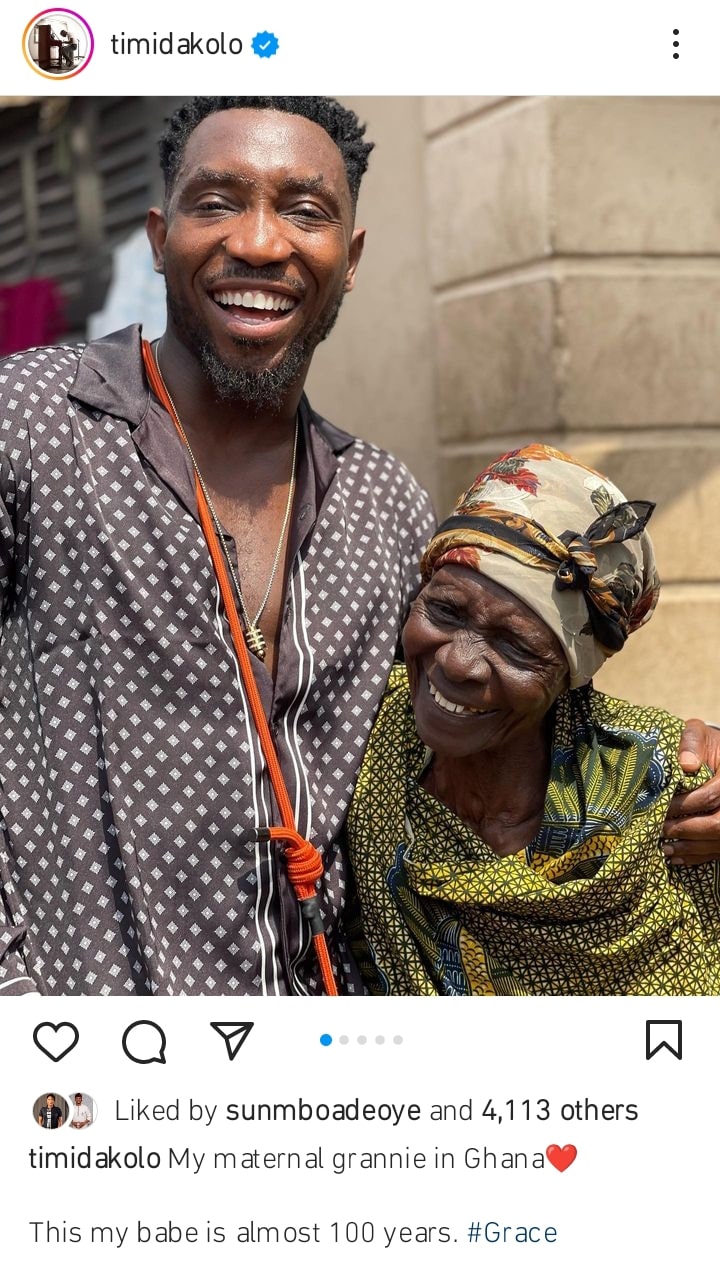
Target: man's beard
x=260, y=390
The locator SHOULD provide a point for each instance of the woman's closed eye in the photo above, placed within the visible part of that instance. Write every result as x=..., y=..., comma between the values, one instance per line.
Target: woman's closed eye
x=516, y=652
x=445, y=612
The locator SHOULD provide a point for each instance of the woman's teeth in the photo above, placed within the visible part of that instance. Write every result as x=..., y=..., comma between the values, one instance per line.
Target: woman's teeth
x=450, y=707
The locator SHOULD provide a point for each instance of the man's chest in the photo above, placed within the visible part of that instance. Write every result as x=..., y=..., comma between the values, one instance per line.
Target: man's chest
x=113, y=549
x=257, y=544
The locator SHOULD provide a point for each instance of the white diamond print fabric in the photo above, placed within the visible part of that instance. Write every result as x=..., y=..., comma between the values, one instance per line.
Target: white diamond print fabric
x=130, y=776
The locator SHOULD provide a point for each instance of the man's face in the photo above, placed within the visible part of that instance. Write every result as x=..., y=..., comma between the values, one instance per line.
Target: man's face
x=50, y=1100
x=257, y=248
x=78, y=1099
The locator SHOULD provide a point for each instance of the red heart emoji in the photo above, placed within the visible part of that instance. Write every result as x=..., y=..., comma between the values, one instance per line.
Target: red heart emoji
x=561, y=1157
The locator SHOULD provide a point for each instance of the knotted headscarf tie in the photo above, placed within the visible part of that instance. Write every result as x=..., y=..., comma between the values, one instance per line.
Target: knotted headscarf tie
x=592, y=587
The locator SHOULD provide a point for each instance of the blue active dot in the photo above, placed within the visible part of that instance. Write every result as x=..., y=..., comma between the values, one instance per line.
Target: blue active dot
x=325, y=1039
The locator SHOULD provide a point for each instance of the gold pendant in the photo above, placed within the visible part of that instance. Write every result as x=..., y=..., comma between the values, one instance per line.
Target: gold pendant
x=255, y=641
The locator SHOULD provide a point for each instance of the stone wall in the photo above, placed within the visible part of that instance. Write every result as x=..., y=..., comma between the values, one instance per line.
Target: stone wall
x=574, y=251
x=549, y=268
x=375, y=377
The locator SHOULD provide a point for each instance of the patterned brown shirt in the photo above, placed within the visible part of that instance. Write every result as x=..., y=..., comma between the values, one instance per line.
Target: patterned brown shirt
x=130, y=774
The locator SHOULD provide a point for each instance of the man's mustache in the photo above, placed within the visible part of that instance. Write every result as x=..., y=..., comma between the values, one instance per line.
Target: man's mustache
x=242, y=272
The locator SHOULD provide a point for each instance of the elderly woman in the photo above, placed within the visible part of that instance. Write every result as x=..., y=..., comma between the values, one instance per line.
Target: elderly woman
x=505, y=831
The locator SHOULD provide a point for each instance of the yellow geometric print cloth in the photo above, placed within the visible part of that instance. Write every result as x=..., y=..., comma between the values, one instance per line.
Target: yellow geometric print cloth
x=589, y=908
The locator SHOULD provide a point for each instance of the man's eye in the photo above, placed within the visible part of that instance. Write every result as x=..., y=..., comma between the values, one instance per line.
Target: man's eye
x=309, y=212
x=211, y=205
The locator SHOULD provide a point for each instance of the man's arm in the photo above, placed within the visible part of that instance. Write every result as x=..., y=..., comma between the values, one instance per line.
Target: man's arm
x=15, y=979
x=417, y=523
x=692, y=827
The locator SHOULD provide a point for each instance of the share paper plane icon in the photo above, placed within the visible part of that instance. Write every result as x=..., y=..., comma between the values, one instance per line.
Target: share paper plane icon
x=234, y=1035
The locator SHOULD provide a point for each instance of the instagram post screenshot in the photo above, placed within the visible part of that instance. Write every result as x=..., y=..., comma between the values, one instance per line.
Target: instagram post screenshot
x=359, y=632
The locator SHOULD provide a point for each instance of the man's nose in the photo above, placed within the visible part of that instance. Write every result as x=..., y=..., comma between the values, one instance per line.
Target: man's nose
x=258, y=236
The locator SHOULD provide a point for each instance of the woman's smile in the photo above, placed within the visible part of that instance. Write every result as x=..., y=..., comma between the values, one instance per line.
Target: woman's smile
x=454, y=707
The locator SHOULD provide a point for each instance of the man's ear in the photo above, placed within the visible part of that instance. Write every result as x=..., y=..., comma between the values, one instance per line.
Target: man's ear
x=357, y=243
x=156, y=231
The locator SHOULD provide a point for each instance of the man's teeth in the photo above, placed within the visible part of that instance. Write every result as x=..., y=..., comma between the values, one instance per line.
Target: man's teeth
x=255, y=300
x=447, y=704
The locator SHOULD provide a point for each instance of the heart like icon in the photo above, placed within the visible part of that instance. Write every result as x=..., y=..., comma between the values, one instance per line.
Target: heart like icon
x=56, y=1039
x=561, y=1157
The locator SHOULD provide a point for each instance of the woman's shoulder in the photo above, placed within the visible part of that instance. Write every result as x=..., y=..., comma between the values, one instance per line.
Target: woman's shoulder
x=655, y=732
x=395, y=705
x=658, y=728
x=397, y=681
x=621, y=715
x=393, y=733
x=381, y=780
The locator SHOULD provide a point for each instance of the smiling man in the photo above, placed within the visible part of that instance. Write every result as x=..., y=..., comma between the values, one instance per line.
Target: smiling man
x=132, y=778
x=132, y=775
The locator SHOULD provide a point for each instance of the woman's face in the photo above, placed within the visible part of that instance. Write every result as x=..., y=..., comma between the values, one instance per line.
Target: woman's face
x=484, y=669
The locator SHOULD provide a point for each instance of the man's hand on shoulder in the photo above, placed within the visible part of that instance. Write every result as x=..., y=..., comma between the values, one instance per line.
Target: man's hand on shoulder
x=693, y=823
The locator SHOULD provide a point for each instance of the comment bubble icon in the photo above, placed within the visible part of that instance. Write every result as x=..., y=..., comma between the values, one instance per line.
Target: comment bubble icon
x=144, y=1042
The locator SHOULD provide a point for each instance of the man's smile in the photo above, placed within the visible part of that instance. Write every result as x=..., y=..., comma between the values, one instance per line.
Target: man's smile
x=253, y=301
x=245, y=307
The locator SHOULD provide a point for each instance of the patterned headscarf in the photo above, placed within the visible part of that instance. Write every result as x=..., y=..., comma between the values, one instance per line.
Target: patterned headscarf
x=564, y=540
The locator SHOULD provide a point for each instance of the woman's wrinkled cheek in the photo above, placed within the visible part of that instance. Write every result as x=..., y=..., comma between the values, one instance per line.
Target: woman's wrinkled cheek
x=414, y=672
x=417, y=639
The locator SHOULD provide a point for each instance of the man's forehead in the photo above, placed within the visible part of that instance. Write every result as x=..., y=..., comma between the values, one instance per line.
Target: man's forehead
x=264, y=139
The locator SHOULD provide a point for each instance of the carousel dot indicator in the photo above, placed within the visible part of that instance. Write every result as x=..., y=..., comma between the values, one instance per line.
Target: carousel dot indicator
x=397, y=1040
x=325, y=1039
x=379, y=1040
x=362, y=1040
x=343, y=1040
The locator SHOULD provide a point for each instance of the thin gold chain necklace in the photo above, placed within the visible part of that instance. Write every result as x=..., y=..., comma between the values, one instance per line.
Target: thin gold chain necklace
x=253, y=635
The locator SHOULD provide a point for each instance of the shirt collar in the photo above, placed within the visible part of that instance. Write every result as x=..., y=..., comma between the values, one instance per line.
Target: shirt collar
x=111, y=378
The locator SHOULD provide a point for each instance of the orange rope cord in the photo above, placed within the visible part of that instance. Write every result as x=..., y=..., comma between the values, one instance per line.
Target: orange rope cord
x=304, y=864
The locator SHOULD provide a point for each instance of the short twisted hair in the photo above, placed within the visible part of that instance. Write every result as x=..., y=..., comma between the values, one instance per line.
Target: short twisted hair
x=340, y=123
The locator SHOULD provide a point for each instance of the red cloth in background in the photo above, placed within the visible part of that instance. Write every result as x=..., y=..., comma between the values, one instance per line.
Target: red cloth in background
x=31, y=313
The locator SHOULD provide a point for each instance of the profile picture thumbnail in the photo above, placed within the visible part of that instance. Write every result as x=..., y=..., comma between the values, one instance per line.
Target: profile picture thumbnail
x=82, y=1110
x=58, y=43
x=50, y=1111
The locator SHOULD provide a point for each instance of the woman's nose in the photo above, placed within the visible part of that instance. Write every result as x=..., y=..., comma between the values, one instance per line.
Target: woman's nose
x=464, y=658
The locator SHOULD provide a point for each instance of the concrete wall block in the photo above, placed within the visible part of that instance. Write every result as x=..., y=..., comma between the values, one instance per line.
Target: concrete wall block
x=439, y=112
x=636, y=348
x=672, y=661
x=375, y=376
x=494, y=365
x=488, y=194
x=636, y=175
